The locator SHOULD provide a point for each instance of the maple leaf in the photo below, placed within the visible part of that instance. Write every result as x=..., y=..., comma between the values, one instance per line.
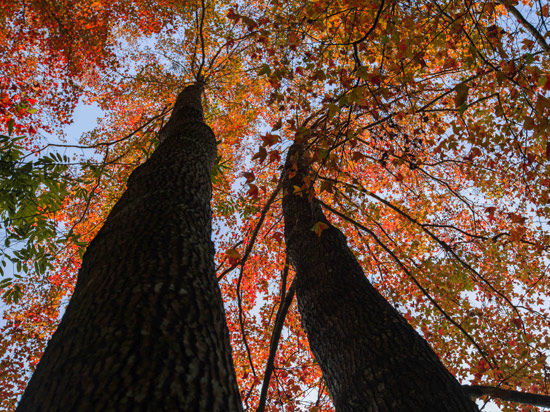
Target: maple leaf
x=461, y=96
x=249, y=176
x=253, y=191
x=515, y=218
x=233, y=256
x=326, y=186
x=270, y=139
x=274, y=156
x=356, y=156
x=319, y=227
x=261, y=154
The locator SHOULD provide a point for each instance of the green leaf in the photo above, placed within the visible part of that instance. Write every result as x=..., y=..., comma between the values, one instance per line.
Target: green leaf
x=6, y=282
x=264, y=69
x=11, y=123
x=461, y=94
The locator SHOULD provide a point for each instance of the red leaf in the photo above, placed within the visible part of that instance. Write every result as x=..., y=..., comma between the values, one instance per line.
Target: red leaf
x=233, y=256
x=274, y=156
x=249, y=176
x=253, y=191
x=261, y=155
x=270, y=139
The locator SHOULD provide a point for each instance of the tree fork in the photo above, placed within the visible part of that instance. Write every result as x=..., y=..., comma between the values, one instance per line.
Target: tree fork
x=145, y=329
x=371, y=358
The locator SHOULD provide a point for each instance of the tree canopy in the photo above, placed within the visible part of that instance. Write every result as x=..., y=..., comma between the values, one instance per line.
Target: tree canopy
x=427, y=129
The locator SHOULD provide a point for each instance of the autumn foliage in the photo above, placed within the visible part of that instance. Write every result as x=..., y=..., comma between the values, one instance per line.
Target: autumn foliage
x=426, y=124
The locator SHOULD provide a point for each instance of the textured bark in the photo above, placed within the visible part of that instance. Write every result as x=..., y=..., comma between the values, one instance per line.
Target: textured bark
x=145, y=329
x=371, y=358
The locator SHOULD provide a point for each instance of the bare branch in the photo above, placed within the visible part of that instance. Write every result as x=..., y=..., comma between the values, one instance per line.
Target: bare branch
x=476, y=391
x=274, y=342
x=164, y=112
x=525, y=23
x=250, y=244
x=201, y=35
x=241, y=320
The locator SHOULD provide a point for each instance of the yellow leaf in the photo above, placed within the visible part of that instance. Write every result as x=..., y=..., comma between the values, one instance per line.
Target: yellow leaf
x=319, y=227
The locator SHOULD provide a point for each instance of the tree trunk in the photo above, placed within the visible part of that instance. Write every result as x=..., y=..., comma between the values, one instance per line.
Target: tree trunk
x=371, y=358
x=145, y=329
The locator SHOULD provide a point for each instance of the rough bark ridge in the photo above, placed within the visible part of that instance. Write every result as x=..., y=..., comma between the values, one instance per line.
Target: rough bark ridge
x=371, y=358
x=145, y=329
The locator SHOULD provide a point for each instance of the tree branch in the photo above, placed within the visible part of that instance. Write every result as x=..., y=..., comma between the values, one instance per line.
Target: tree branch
x=476, y=391
x=241, y=320
x=369, y=31
x=446, y=247
x=274, y=343
x=164, y=112
x=201, y=35
x=525, y=23
x=250, y=244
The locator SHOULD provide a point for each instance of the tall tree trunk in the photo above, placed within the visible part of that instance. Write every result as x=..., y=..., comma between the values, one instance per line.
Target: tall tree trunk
x=371, y=358
x=145, y=329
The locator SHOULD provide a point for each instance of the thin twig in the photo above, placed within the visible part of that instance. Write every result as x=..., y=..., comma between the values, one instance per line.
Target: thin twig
x=241, y=320
x=92, y=192
x=164, y=112
x=364, y=37
x=250, y=244
x=274, y=342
